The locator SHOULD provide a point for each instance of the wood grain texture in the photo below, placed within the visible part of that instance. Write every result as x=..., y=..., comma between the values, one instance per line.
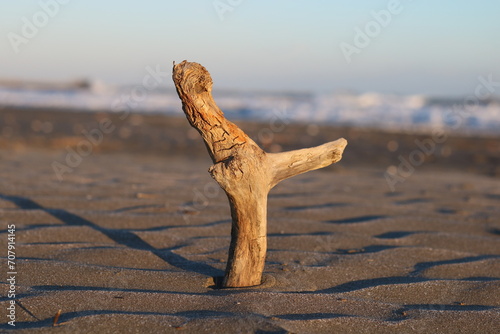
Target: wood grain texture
x=243, y=170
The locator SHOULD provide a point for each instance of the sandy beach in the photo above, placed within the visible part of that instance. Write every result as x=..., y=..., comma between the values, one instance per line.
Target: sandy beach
x=129, y=238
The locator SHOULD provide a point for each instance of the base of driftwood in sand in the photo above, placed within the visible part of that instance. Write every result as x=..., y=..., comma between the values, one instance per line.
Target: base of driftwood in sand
x=217, y=283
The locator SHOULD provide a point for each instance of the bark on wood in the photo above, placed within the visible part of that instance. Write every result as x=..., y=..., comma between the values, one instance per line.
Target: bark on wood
x=243, y=170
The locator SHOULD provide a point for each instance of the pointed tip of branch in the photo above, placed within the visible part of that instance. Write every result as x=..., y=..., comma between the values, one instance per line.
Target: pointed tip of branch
x=341, y=143
x=181, y=64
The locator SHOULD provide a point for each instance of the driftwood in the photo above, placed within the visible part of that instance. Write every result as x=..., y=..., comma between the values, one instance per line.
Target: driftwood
x=243, y=170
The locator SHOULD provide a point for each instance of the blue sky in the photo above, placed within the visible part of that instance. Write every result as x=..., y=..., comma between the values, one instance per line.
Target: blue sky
x=428, y=47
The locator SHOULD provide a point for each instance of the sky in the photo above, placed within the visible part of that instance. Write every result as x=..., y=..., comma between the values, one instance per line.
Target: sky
x=405, y=47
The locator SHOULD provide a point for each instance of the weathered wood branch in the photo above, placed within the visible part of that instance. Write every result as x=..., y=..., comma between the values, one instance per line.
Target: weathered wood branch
x=243, y=170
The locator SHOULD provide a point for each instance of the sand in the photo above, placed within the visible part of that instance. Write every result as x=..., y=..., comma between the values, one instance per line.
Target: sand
x=130, y=241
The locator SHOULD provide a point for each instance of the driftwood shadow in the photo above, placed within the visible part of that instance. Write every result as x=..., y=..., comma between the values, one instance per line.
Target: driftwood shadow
x=359, y=219
x=120, y=236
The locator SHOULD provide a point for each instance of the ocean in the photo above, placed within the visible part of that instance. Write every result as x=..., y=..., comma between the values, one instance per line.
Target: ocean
x=391, y=112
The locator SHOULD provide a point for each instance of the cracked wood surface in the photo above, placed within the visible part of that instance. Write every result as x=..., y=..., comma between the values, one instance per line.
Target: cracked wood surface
x=243, y=170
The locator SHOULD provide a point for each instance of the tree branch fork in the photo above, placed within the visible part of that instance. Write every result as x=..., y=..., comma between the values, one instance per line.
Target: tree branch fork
x=243, y=170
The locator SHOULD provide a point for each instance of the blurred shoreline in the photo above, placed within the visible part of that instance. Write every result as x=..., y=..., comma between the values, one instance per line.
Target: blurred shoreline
x=463, y=116
x=141, y=133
